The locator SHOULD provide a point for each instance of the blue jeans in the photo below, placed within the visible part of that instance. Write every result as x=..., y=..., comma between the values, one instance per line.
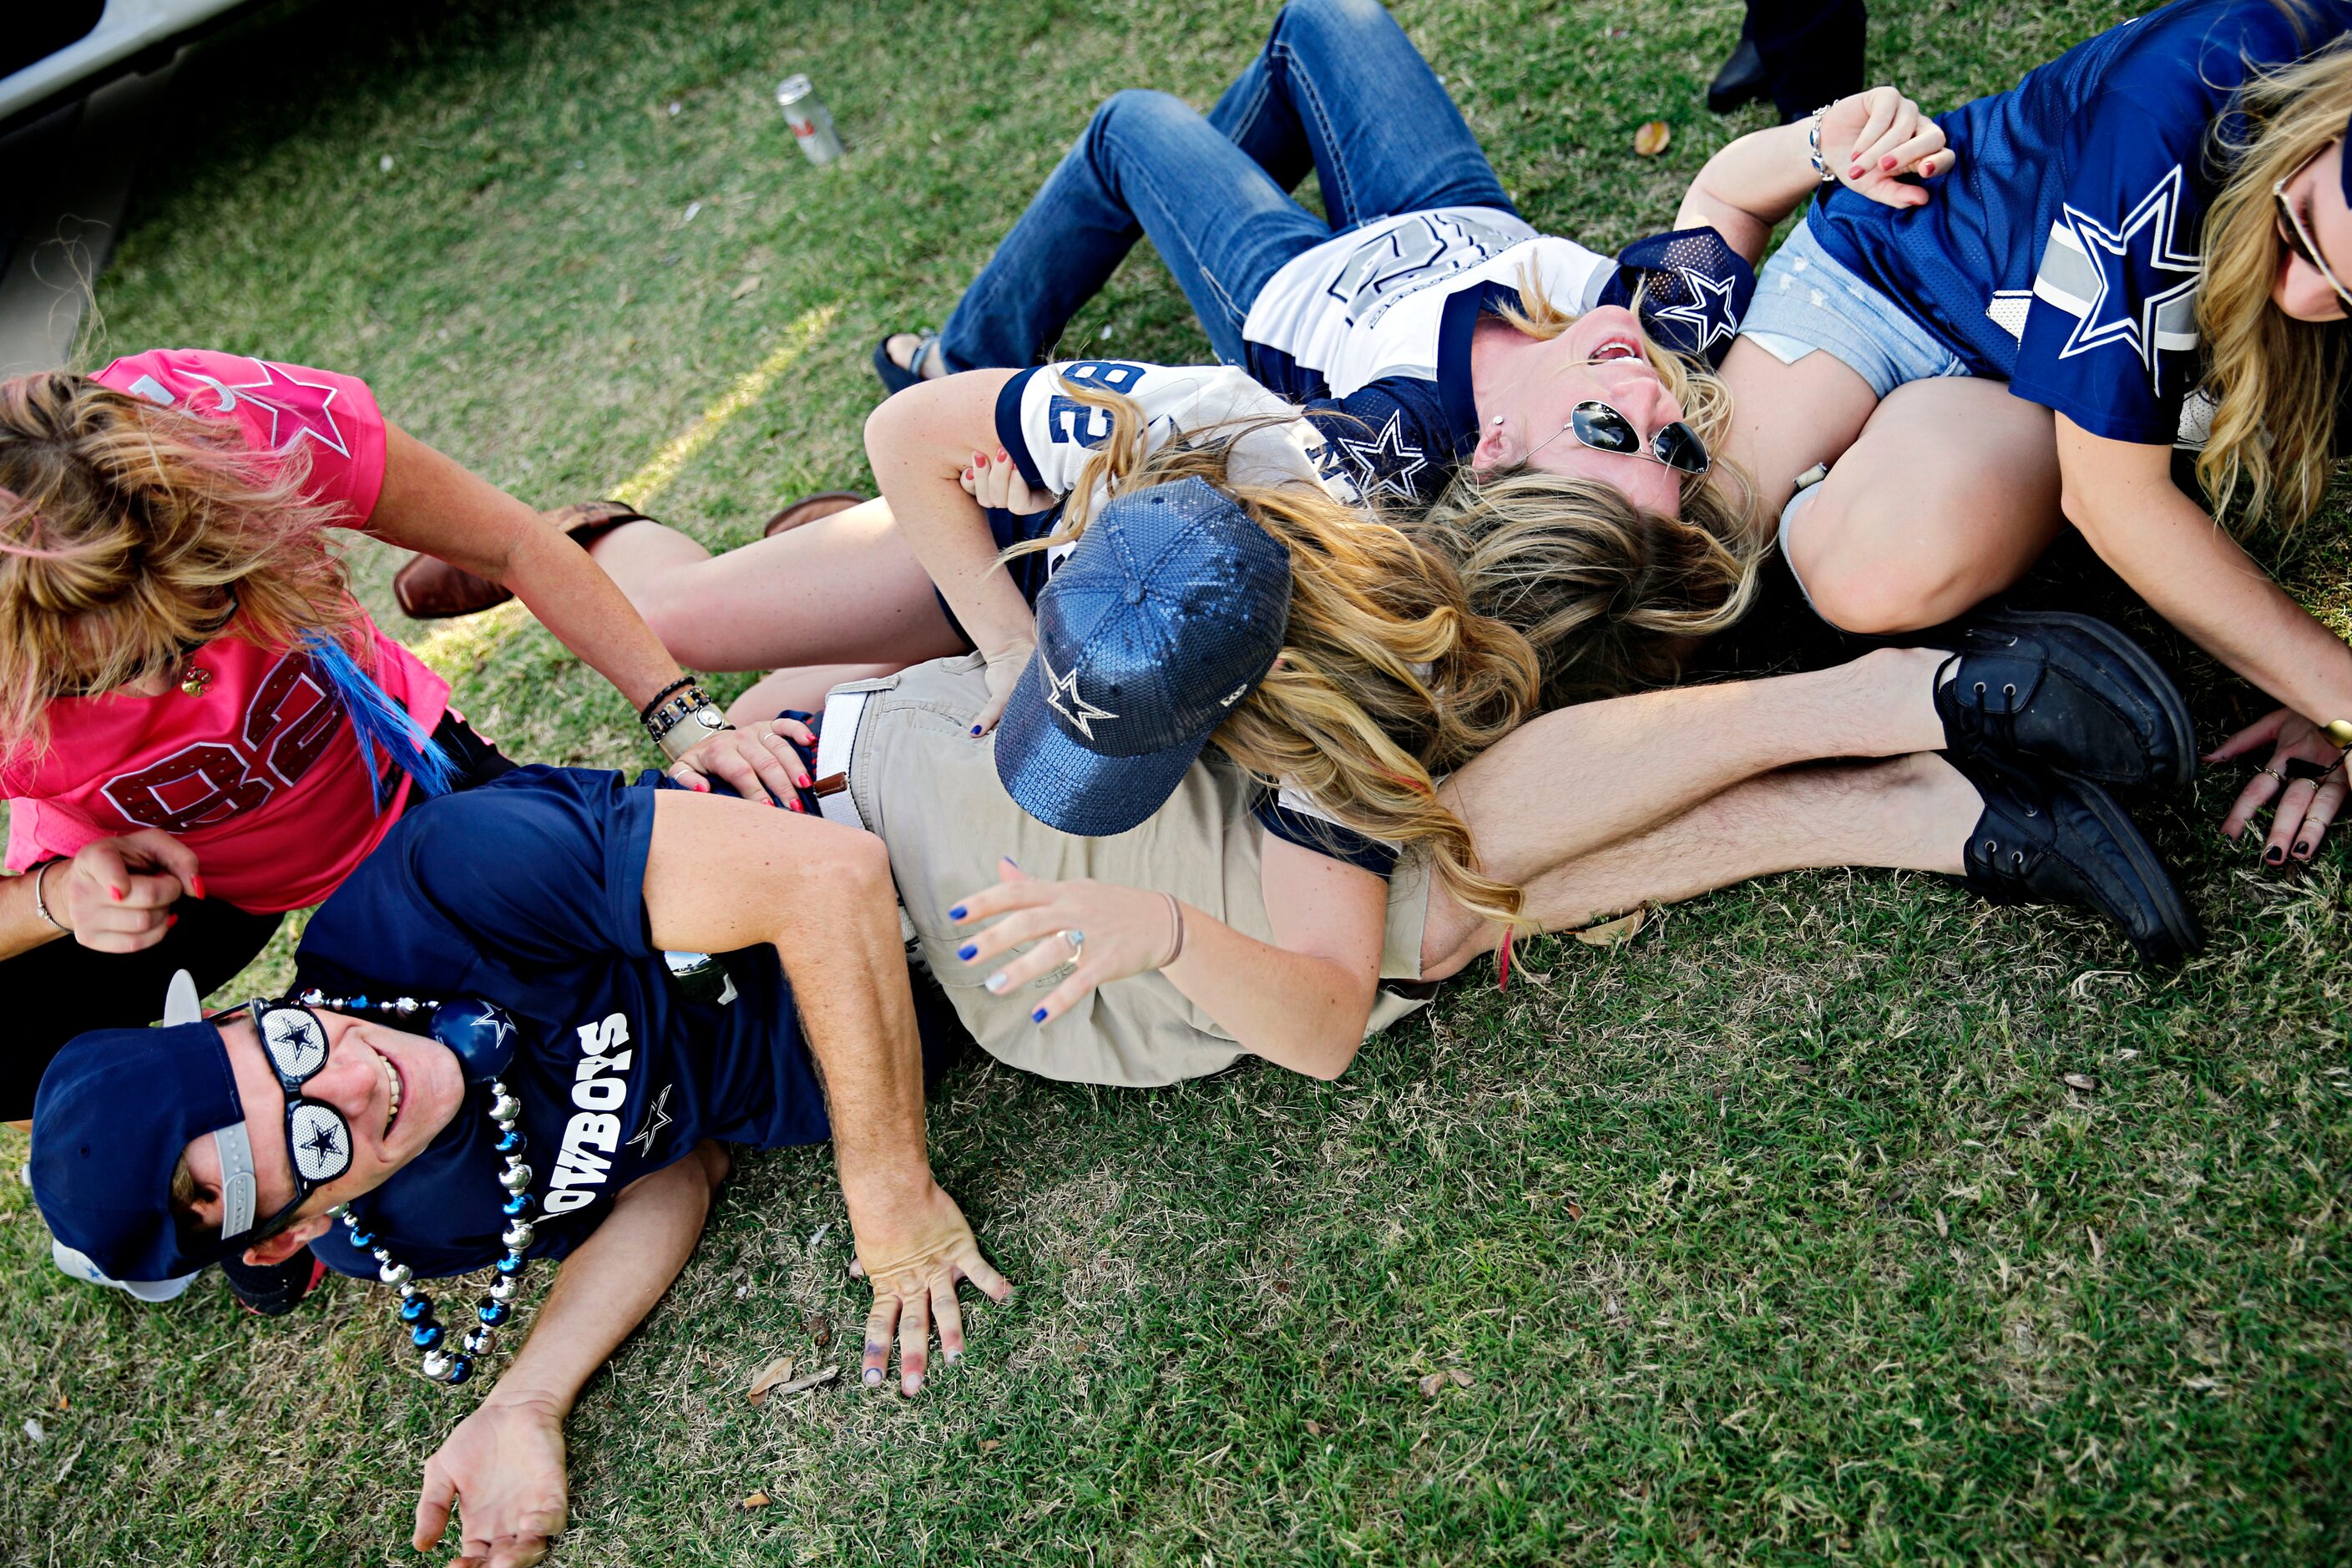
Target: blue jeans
x=1340, y=89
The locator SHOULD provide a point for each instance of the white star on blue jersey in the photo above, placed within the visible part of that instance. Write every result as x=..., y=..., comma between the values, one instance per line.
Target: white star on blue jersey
x=1390, y=443
x=656, y=1120
x=2112, y=254
x=1707, y=311
x=1080, y=713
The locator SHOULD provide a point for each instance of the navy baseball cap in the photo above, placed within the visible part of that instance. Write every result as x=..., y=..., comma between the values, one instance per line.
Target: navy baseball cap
x=1170, y=609
x=116, y=1110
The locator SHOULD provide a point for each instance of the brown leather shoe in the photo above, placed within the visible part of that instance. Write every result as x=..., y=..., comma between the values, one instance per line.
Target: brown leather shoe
x=811, y=508
x=429, y=589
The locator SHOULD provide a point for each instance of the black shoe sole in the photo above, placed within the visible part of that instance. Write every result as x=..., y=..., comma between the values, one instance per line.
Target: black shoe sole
x=2171, y=909
x=2141, y=663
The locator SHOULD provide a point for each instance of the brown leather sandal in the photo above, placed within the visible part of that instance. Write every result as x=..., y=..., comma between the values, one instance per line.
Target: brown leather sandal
x=429, y=589
x=808, y=508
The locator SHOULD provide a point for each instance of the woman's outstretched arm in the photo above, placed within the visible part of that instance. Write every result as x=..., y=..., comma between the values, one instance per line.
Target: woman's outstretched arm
x=1869, y=142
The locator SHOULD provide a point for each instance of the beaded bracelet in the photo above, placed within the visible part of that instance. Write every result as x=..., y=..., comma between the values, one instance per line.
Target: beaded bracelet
x=1814, y=144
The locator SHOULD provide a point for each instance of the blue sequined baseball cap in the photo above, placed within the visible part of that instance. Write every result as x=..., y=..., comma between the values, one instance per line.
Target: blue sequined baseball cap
x=115, y=1110
x=1169, y=611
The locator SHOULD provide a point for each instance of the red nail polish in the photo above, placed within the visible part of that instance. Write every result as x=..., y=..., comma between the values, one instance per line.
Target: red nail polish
x=1887, y=162
x=1854, y=173
x=114, y=893
x=170, y=921
x=197, y=886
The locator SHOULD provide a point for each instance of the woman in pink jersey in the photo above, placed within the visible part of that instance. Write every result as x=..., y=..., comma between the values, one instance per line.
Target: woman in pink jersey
x=200, y=729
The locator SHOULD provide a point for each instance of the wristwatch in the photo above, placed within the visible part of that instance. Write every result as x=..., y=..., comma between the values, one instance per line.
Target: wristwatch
x=681, y=720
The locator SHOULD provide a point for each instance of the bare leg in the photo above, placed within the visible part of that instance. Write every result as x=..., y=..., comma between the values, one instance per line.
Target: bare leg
x=802, y=688
x=1788, y=417
x=1949, y=494
x=1913, y=812
x=843, y=589
x=1578, y=778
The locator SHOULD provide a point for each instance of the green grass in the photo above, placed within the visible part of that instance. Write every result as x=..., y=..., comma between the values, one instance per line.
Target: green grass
x=1773, y=1236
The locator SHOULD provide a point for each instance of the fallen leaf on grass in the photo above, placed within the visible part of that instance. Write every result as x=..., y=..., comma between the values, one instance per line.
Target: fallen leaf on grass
x=1611, y=933
x=819, y=1329
x=777, y=1371
x=1315, y=1428
x=1576, y=1211
x=990, y=1445
x=1438, y=1380
x=758, y=1500
x=745, y=287
x=2081, y=1080
x=1652, y=138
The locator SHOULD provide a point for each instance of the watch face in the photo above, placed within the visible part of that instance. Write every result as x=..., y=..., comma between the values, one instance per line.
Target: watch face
x=711, y=718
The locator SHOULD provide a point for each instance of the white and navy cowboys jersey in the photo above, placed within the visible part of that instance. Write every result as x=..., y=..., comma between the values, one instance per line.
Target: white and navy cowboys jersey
x=2062, y=254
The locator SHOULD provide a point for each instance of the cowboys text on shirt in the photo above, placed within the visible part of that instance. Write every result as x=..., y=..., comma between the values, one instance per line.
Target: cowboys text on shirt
x=600, y=1091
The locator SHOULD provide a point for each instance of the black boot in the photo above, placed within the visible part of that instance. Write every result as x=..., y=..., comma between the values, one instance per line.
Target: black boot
x=1740, y=81
x=2067, y=692
x=2044, y=839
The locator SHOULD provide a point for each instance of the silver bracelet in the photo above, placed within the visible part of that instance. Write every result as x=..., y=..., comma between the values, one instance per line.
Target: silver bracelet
x=40, y=896
x=1814, y=144
x=682, y=722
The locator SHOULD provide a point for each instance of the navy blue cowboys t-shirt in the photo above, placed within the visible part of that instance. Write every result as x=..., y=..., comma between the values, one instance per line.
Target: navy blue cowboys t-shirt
x=529, y=891
x=2062, y=254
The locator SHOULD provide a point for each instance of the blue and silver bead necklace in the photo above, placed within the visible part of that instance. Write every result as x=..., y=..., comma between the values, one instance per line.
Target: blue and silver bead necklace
x=426, y=1332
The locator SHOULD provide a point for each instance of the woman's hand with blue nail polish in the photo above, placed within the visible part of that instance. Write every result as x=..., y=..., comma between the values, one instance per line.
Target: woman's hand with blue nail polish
x=1127, y=934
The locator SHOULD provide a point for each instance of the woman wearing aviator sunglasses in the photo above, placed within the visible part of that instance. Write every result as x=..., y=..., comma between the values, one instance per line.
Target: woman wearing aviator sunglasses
x=2146, y=255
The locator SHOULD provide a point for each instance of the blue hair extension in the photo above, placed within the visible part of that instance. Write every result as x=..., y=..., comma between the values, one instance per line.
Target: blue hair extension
x=380, y=723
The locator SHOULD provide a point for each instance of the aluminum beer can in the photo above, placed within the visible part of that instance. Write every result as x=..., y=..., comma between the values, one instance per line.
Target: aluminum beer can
x=805, y=114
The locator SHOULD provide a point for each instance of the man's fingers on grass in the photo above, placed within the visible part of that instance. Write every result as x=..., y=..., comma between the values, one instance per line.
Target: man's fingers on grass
x=948, y=1316
x=977, y=1268
x=914, y=1340
x=433, y=1507
x=880, y=1323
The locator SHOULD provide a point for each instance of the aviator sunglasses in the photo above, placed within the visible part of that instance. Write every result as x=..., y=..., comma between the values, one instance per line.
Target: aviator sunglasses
x=1605, y=429
x=2298, y=238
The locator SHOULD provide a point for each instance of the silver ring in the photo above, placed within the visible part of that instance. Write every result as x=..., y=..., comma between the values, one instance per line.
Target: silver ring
x=1077, y=941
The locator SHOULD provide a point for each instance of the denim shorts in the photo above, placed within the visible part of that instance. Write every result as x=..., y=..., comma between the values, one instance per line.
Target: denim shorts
x=1808, y=299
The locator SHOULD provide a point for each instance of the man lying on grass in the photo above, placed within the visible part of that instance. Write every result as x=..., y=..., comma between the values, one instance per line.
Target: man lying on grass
x=565, y=1099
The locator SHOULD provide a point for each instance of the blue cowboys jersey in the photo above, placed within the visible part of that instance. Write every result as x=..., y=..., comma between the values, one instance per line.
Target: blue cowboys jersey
x=2063, y=253
x=530, y=891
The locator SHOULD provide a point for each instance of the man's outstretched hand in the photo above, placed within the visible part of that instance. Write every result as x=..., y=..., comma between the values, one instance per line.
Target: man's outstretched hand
x=503, y=1468
x=914, y=1252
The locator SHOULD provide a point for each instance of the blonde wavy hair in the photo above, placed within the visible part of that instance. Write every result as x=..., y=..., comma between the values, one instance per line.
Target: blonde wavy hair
x=2276, y=379
x=129, y=530
x=1412, y=647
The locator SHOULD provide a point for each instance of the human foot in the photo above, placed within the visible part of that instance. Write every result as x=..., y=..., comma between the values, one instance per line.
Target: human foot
x=2063, y=691
x=902, y=359
x=2045, y=839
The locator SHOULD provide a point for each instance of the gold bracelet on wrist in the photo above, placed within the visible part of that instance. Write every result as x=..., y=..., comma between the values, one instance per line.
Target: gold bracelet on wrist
x=2339, y=731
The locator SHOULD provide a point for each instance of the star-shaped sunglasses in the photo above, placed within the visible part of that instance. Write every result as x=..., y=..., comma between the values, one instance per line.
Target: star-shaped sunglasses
x=318, y=1137
x=1605, y=429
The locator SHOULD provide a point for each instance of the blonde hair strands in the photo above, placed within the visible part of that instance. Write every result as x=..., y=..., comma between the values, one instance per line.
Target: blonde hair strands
x=126, y=527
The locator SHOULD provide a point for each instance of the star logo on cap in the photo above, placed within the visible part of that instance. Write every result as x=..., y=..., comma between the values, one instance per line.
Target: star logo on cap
x=1707, y=311
x=1080, y=713
x=1379, y=479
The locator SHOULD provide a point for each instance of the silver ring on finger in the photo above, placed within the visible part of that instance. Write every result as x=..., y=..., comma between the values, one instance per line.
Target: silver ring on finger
x=2273, y=773
x=1077, y=941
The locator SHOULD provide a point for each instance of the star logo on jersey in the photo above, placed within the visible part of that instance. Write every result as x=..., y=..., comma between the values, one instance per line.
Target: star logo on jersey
x=1707, y=311
x=2145, y=244
x=1060, y=688
x=657, y=1120
x=286, y=425
x=1393, y=476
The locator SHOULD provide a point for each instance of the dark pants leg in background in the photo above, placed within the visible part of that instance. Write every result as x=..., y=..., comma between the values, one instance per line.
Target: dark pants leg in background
x=1812, y=51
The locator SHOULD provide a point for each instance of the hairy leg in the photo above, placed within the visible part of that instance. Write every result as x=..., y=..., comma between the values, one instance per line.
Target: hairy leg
x=1913, y=813
x=1579, y=778
x=844, y=589
x=1786, y=419
x=1949, y=494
